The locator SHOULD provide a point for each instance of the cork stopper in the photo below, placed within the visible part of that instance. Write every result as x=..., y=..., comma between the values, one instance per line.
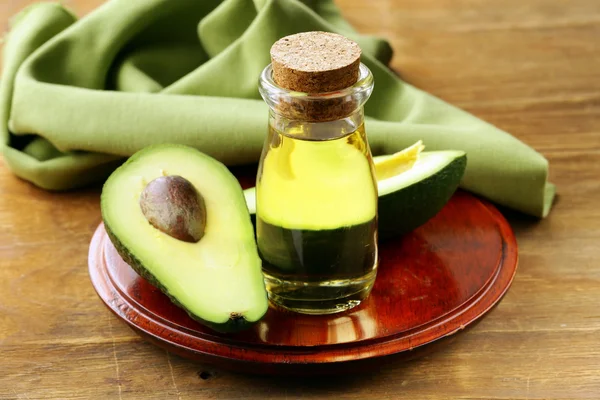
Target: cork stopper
x=315, y=62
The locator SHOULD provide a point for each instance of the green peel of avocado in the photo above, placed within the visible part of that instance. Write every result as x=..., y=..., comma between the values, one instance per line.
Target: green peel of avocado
x=412, y=196
x=179, y=218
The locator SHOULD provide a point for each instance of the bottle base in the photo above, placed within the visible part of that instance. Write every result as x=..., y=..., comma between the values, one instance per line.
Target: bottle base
x=319, y=298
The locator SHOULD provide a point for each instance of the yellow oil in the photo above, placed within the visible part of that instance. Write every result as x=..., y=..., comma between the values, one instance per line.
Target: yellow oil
x=317, y=216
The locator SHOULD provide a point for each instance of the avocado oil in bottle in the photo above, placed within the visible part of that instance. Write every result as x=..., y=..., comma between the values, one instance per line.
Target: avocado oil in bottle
x=316, y=193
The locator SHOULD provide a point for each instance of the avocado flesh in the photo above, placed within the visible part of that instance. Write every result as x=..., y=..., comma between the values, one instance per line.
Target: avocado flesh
x=217, y=280
x=410, y=198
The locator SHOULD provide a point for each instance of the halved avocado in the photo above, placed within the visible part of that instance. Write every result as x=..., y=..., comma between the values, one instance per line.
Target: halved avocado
x=214, y=272
x=412, y=197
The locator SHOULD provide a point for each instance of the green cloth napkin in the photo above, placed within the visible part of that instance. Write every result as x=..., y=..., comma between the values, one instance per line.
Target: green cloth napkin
x=79, y=96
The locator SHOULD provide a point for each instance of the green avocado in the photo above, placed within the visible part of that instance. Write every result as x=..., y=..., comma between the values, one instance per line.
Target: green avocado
x=179, y=218
x=410, y=198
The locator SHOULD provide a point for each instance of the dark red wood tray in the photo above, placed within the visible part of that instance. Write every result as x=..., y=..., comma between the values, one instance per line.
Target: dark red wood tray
x=431, y=283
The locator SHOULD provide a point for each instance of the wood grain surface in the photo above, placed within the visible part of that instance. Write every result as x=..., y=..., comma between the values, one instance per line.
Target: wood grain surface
x=530, y=67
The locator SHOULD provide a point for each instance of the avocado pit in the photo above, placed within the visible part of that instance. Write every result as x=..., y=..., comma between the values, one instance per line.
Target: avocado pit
x=172, y=205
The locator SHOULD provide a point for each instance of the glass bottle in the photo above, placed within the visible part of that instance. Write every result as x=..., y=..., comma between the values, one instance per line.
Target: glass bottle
x=316, y=198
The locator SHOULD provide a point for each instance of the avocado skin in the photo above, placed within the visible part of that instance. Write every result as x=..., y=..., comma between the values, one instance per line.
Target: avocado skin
x=396, y=218
x=327, y=254
x=231, y=326
x=404, y=211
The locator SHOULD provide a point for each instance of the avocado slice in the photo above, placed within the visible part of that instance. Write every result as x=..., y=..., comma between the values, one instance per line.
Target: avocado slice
x=411, y=197
x=214, y=272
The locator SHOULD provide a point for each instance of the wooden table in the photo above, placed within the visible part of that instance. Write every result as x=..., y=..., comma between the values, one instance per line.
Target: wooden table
x=532, y=67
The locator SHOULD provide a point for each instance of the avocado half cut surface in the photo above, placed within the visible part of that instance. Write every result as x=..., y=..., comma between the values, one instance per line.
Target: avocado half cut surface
x=413, y=196
x=216, y=279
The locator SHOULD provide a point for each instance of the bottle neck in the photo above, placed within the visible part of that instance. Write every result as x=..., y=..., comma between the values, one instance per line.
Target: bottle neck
x=317, y=107
x=316, y=131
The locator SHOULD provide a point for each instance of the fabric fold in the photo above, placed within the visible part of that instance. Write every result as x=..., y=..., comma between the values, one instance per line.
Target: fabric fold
x=79, y=96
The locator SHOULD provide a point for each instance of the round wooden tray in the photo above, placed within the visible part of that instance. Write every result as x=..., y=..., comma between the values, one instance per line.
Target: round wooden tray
x=430, y=284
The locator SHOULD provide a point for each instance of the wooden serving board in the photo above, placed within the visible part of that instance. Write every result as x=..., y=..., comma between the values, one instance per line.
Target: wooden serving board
x=431, y=284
